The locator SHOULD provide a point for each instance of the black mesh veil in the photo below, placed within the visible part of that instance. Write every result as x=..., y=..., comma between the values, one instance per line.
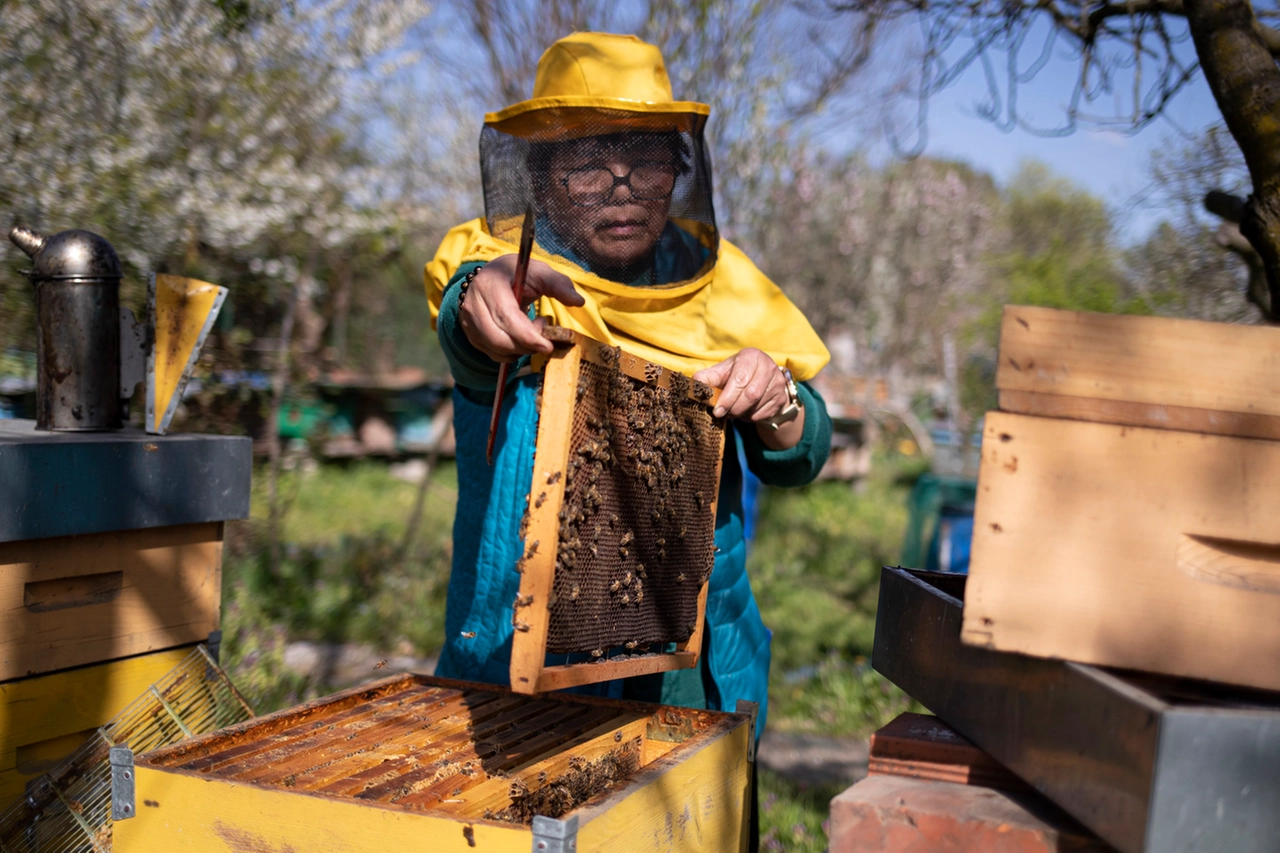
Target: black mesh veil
x=626, y=196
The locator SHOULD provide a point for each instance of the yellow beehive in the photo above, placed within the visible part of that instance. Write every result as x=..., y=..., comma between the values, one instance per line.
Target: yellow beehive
x=416, y=763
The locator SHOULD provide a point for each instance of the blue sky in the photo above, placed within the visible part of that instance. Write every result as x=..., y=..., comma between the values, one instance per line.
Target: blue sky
x=1110, y=164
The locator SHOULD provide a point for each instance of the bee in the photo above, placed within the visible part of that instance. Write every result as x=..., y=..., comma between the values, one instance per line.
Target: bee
x=552, y=479
x=623, y=552
x=468, y=635
x=680, y=578
x=595, y=653
x=682, y=532
x=615, y=586
x=626, y=579
x=380, y=664
x=520, y=625
x=541, y=498
x=533, y=548
x=639, y=594
x=524, y=600
x=573, y=593
x=626, y=599
x=613, y=520
x=630, y=644
x=627, y=538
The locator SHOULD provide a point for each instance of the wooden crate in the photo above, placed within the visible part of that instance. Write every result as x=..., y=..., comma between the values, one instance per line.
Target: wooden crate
x=1140, y=371
x=75, y=600
x=582, y=539
x=418, y=763
x=1104, y=536
x=46, y=718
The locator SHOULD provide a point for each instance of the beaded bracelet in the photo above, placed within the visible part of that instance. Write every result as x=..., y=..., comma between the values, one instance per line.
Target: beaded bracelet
x=466, y=282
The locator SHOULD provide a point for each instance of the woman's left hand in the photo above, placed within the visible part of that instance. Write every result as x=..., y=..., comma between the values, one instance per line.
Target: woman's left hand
x=754, y=388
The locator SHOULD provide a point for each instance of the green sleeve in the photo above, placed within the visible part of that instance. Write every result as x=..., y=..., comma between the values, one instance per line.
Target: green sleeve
x=797, y=465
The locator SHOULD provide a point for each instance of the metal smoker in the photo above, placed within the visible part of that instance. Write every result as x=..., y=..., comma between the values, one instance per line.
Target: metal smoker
x=76, y=275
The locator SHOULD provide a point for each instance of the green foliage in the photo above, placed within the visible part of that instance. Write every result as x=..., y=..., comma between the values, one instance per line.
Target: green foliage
x=793, y=817
x=815, y=565
x=343, y=579
x=839, y=697
x=815, y=568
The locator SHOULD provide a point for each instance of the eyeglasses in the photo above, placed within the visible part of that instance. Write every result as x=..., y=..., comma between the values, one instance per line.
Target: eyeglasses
x=594, y=185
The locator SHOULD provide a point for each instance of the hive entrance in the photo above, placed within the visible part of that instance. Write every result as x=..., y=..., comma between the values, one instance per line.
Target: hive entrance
x=624, y=493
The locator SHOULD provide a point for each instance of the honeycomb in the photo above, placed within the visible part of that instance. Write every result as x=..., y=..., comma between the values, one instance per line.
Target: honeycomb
x=637, y=524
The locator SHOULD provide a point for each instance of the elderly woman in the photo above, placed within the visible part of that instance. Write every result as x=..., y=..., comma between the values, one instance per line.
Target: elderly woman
x=627, y=252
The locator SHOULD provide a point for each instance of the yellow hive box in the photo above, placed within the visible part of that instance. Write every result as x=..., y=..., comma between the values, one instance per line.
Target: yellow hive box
x=45, y=719
x=417, y=763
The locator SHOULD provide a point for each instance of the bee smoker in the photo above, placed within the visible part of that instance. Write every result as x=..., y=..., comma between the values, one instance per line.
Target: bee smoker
x=76, y=276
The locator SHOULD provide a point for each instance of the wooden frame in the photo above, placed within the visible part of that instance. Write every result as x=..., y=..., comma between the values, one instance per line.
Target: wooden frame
x=529, y=674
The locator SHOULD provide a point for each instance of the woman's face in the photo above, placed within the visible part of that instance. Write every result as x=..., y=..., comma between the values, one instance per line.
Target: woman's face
x=610, y=200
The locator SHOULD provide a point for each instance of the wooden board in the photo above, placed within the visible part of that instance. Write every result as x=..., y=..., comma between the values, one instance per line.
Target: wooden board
x=44, y=719
x=77, y=600
x=263, y=784
x=1145, y=371
x=1140, y=548
x=530, y=673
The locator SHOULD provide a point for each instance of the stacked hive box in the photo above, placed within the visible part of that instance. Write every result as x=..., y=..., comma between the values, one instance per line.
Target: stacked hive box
x=1128, y=498
x=110, y=573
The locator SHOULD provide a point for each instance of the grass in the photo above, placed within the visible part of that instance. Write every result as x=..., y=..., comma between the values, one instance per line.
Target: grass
x=793, y=817
x=343, y=577
x=815, y=567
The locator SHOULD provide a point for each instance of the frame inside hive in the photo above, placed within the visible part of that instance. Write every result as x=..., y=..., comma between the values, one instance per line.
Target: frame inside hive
x=619, y=536
x=469, y=751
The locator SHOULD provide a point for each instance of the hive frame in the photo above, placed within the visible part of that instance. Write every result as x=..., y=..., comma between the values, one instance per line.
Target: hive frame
x=529, y=672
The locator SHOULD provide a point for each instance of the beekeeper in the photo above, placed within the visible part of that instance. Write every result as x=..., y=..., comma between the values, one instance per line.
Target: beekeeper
x=628, y=253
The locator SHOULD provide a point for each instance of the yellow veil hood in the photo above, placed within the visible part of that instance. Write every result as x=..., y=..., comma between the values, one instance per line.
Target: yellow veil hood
x=684, y=327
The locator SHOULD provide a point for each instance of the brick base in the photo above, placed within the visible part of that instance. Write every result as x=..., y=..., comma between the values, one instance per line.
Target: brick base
x=893, y=814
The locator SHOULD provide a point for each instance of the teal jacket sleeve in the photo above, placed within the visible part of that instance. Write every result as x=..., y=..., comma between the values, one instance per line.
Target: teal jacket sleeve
x=470, y=367
x=798, y=465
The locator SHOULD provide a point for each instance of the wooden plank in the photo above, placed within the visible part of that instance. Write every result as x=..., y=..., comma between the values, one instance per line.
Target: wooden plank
x=39, y=715
x=1146, y=549
x=198, y=814
x=494, y=793
x=76, y=600
x=693, y=800
x=1157, y=416
x=551, y=458
x=576, y=675
x=1147, y=360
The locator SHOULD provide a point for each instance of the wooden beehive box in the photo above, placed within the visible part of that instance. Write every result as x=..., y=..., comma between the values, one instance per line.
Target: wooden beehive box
x=417, y=763
x=110, y=574
x=1128, y=497
x=619, y=535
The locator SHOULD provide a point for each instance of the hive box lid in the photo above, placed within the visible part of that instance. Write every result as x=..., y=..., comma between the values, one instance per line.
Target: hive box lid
x=64, y=484
x=1141, y=371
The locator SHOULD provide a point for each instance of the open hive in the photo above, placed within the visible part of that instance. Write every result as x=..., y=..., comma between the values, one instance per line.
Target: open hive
x=412, y=762
x=619, y=536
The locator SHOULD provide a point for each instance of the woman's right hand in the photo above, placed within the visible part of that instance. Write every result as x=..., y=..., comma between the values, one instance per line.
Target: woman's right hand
x=496, y=323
